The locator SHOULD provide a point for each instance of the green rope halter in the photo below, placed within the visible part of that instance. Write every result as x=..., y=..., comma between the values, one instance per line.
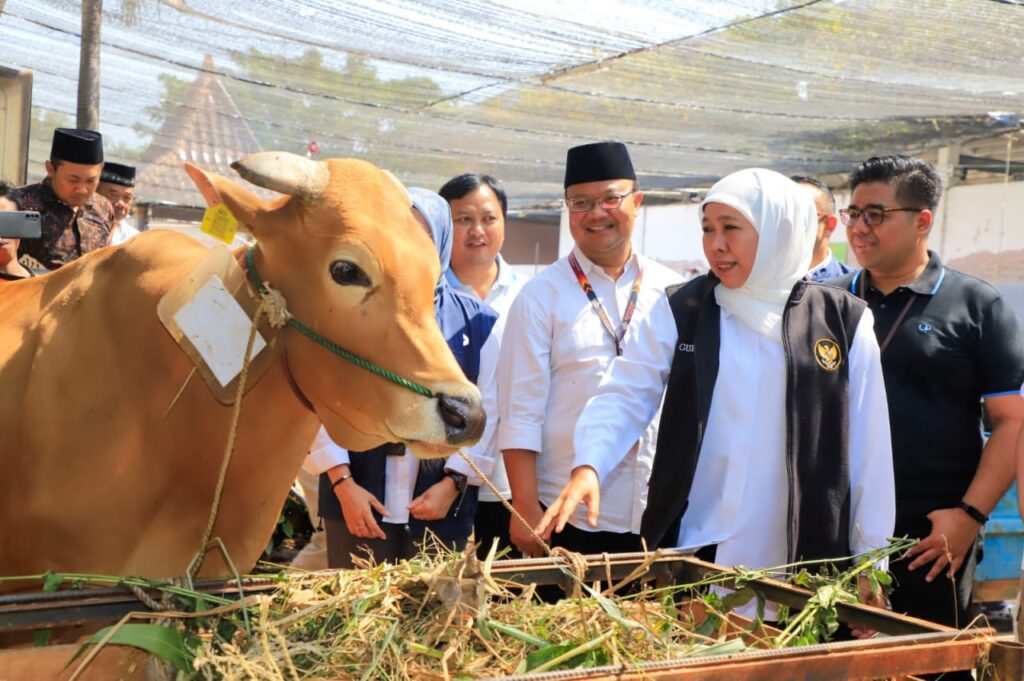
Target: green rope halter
x=309, y=333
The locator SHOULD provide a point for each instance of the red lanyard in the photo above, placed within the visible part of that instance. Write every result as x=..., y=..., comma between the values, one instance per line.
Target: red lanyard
x=596, y=304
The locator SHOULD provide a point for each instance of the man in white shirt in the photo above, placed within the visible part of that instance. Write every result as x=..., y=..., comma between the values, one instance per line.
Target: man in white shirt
x=561, y=334
x=479, y=207
x=824, y=265
x=117, y=185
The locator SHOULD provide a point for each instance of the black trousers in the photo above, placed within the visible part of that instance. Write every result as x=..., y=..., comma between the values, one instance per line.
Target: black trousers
x=492, y=523
x=399, y=544
x=945, y=601
x=581, y=541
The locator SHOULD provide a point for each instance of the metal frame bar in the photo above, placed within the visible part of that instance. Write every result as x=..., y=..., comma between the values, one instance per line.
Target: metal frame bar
x=853, y=660
x=59, y=609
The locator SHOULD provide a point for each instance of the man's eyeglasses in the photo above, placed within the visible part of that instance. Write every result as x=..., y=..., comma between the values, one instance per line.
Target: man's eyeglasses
x=607, y=202
x=872, y=216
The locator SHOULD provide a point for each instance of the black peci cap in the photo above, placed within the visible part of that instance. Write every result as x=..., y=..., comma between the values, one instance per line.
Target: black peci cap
x=77, y=146
x=116, y=173
x=598, y=161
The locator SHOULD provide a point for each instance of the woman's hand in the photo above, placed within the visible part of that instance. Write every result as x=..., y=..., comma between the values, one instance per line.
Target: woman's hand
x=583, y=488
x=357, y=506
x=434, y=503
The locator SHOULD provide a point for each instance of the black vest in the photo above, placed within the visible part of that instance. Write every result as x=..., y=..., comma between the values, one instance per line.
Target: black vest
x=818, y=326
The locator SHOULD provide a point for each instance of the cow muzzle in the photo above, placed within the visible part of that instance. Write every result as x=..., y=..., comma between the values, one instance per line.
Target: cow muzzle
x=464, y=420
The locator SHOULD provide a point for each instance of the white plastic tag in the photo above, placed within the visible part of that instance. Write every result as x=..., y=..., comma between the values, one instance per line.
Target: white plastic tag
x=218, y=328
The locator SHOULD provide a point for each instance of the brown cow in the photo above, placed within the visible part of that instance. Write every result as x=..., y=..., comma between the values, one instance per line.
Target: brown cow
x=97, y=476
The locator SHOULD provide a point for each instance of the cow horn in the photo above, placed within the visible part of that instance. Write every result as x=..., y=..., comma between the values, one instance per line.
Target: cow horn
x=283, y=172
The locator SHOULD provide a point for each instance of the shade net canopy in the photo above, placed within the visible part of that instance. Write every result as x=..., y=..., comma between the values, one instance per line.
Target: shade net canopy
x=435, y=88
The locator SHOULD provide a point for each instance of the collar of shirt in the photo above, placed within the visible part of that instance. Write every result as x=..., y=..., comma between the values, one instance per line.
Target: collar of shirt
x=50, y=196
x=47, y=192
x=44, y=193
x=927, y=284
x=590, y=268
x=506, y=277
x=824, y=264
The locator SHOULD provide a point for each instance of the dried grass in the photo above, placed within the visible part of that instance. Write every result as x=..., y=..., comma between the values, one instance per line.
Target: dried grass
x=443, y=617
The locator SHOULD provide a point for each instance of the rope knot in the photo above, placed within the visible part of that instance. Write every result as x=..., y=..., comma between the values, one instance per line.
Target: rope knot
x=577, y=563
x=275, y=306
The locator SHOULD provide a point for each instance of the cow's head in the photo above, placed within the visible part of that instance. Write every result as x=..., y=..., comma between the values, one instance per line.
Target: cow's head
x=354, y=265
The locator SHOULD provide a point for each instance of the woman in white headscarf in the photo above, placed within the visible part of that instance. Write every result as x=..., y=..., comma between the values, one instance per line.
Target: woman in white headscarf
x=774, y=440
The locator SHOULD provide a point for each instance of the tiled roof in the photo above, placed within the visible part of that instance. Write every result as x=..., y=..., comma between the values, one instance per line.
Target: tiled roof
x=205, y=128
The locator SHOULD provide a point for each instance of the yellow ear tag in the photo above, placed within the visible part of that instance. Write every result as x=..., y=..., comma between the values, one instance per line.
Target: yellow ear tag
x=219, y=223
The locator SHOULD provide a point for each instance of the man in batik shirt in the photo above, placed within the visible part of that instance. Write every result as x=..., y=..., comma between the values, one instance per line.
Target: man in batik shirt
x=75, y=219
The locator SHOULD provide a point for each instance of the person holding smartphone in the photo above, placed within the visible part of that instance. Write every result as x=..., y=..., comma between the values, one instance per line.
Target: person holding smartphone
x=10, y=268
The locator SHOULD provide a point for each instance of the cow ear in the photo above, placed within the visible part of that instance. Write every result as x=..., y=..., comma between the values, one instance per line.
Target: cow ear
x=251, y=211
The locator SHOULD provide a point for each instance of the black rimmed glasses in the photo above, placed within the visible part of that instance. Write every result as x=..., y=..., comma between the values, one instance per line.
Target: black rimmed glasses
x=872, y=216
x=607, y=202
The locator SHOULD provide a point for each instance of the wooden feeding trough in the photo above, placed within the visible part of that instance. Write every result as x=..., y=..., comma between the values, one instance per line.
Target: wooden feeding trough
x=905, y=648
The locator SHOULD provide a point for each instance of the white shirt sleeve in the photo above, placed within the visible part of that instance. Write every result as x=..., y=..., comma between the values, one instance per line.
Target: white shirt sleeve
x=872, y=485
x=482, y=452
x=324, y=454
x=629, y=393
x=524, y=373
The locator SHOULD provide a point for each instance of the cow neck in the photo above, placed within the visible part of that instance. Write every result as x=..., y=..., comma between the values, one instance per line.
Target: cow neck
x=263, y=290
x=301, y=396
x=292, y=383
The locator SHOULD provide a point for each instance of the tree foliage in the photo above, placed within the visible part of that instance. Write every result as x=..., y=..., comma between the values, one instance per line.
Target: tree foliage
x=349, y=110
x=290, y=101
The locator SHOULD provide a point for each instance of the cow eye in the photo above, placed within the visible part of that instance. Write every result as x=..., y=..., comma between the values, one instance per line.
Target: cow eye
x=347, y=273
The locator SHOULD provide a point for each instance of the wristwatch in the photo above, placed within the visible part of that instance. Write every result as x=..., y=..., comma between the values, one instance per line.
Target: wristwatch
x=459, y=479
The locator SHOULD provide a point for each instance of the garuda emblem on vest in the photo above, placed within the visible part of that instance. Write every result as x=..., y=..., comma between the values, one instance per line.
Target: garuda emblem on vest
x=827, y=354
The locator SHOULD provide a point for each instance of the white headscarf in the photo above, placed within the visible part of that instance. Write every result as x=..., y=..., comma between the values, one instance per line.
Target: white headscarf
x=786, y=222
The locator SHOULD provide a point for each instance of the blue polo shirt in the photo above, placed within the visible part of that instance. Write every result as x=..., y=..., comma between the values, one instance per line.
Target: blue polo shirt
x=958, y=344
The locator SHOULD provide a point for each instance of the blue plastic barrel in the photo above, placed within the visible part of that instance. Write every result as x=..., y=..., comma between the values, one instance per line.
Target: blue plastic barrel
x=1004, y=543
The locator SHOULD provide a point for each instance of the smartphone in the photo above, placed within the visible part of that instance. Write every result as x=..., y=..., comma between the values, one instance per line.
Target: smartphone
x=20, y=224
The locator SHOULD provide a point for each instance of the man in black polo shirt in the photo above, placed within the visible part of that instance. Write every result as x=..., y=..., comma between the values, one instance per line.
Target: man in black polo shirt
x=949, y=344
